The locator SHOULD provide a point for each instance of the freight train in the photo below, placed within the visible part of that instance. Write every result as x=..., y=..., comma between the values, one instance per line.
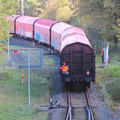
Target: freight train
x=69, y=41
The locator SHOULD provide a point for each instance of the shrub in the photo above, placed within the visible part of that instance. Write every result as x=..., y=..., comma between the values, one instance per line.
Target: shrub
x=114, y=71
x=5, y=75
x=114, y=89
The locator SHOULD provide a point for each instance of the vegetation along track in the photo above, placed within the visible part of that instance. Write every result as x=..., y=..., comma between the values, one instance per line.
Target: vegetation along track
x=79, y=106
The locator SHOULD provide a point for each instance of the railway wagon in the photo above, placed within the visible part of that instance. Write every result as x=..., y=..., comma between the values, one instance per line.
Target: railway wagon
x=69, y=41
x=80, y=57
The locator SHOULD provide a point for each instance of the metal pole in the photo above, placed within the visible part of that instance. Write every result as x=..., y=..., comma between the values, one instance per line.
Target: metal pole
x=29, y=77
x=22, y=7
x=8, y=51
x=106, y=55
x=41, y=58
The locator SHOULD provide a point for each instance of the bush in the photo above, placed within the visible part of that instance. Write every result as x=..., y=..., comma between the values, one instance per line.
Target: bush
x=5, y=75
x=114, y=89
x=113, y=71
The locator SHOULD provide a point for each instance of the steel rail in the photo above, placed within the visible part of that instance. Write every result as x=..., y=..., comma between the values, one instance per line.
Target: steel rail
x=89, y=107
x=88, y=112
x=69, y=110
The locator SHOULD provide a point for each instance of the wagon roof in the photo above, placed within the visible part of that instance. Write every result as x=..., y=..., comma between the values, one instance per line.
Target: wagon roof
x=46, y=22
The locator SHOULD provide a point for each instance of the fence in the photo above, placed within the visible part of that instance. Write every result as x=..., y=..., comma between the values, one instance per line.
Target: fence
x=98, y=45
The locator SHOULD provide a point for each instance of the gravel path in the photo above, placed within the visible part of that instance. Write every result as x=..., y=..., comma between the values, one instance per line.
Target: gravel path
x=57, y=93
x=102, y=111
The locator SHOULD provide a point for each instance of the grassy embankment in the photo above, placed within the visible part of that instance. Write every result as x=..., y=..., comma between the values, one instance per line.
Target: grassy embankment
x=108, y=79
x=13, y=95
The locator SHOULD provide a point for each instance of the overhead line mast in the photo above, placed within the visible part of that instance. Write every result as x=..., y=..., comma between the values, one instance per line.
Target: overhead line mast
x=22, y=7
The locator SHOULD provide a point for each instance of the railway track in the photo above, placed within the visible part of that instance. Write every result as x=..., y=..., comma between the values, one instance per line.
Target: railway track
x=89, y=106
x=79, y=106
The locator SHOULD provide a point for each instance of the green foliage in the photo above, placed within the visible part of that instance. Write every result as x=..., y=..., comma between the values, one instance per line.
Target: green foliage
x=31, y=7
x=37, y=8
x=113, y=71
x=117, y=29
x=114, y=89
x=100, y=16
x=7, y=7
x=108, y=79
x=13, y=95
x=54, y=9
x=60, y=10
x=5, y=75
x=114, y=50
x=112, y=8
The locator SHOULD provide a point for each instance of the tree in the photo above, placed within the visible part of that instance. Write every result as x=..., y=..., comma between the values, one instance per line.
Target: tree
x=101, y=16
x=32, y=7
x=7, y=7
x=60, y=10
x=113, y=10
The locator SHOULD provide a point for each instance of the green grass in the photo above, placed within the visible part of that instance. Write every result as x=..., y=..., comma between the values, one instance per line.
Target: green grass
x=48, y=61
x=108, y=79
x=114, y=89
x=13, y=95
